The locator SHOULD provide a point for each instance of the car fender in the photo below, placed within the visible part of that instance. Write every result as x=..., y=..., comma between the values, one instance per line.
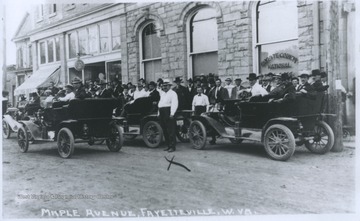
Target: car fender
x=14, y=125
x=34, y=129
x=210, y=122
x=292, y=123
x=66, y=123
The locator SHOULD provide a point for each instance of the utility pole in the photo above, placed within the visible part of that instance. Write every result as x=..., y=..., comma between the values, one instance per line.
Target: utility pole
x=4, y=77
x=332, y=14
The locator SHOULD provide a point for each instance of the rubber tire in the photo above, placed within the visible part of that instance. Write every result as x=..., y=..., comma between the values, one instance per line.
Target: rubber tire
x=236, y=141
x=70, y=136
x=159, y=136
x=331, y=139
x=291, y=147
x=202, y=131
x=6, y=129
x=24, y=136
x=117, y=145
x=178, y=133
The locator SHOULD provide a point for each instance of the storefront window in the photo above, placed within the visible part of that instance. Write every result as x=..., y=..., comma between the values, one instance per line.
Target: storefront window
x=151, y=52
x=57, y=49
x=72, y=45
x=115, y=31
x=50, y=50
x=42, y=53
x=277, y=44
x=104, y=37
x=93, y=39
x=203, y=38
x=114, y=70
x=83, y=39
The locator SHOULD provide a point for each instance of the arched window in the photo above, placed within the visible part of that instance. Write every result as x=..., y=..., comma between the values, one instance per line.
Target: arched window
x=277, y=36
x=202, y=42
x=150, y=53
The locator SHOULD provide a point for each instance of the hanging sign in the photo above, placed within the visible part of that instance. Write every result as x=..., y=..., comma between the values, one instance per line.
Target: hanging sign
x=79, y=65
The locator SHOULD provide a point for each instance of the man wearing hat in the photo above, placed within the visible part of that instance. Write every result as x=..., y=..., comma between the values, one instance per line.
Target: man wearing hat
x=304, y=89
x=69, y=93
x=255, y=88
x=140, y=92
x=228, y=86
x=104, y=92
x=285, y=87
x=159, y=83
x=295, y=82
x=183, y=95
x=237, y=89
x=317, y=84
x=266, y=82
x=168, y=106
x=79, y=89
x=153, y=93
x=54, y=90
x=48, y=100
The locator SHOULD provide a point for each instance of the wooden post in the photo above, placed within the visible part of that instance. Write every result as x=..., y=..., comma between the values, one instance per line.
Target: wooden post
x=332, y=52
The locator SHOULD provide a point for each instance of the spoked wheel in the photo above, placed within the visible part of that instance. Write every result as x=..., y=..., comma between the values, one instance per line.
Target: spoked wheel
x=182, y=131
x=23, y=139
x=65, y=142
x=197, y=135
x=279, y=142
x=115, y=140
x=152, y=134
x=6, y=129
x=323, y=139
x=236, y=141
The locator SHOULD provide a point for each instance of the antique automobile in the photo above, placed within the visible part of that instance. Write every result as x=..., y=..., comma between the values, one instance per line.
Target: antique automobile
x=9, y=122
x=77, y=121
x=279, y=126
x=142, y=119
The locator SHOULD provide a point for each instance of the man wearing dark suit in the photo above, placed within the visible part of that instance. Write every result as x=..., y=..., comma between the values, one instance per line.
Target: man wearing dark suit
x=304, y=88
x=118, y=89
x=236, y=90
x=154, y=94
x=183, y=95
x=79, y=89
x=317, y=84
x=284, y=88
x=104, y=92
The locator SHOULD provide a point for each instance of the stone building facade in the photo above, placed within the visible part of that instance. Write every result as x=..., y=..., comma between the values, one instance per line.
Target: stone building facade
x=184, y=39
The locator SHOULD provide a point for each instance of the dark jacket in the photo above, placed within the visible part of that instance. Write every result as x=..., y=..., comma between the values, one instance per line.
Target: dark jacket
x=319, y=87
x=221, y=95
x=280, y=91
x=234, y=92
x=106, y=93
x=155, y=95
x=117, y=91
x=81, y=93
x=183, y=97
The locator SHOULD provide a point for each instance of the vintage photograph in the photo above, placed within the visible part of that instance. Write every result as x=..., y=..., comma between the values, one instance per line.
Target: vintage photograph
x=179, y=110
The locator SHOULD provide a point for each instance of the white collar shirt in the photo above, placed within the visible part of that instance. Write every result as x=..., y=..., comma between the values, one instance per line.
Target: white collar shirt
x=68, y=97
x=169, y=99
x=200, y=100
x=229, y=89
x=138, y=94
x=256, y=89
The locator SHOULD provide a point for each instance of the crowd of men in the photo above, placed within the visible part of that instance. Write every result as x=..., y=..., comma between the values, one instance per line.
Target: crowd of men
x=202, y=94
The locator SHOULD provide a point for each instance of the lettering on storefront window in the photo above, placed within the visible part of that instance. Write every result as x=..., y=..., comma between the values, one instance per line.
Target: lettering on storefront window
x=267, y=61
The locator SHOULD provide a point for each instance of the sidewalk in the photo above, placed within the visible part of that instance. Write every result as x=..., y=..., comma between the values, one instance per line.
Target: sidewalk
x=350, y=143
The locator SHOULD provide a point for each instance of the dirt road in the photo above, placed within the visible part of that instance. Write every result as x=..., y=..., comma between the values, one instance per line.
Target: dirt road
x=225, y=179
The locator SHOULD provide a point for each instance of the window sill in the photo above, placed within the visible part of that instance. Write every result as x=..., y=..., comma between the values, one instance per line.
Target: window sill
x=70, y=7
x=39, y=20
x=52, y=15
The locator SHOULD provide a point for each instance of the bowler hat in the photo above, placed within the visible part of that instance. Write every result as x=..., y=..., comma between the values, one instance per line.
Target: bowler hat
x=295, y=78
x=177, y=79
x=238, y=79
x=228, y=79
x=76, y=80
x=284, y=76
x=252, y=76
x=303, y=75
x=190, y=80
x=323, y=74
x=160, y=80
x=315, y=72
x=152, y=83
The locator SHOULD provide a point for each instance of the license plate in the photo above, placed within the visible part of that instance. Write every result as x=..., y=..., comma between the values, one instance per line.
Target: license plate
x=180, y=122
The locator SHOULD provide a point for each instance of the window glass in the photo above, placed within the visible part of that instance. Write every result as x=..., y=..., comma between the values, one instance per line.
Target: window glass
x=152, y=70
x=20, y=57
x=104, y=37
x=50, y=49
x=83, y=39
x=151, y=42
x=42, y=53
x=114, y=70
x=72, y=45
x=277, y=21
x=115, y=30
x=203, y=22
x=57, y=49
x=205, y=63
x=93, y=39
x=279, y=57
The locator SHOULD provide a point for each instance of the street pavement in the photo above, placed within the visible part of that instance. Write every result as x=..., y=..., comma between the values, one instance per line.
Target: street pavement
x=224, y=179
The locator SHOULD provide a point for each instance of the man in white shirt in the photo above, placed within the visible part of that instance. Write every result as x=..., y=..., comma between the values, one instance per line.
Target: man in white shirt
x=255, y=87
x=200, y=103
x=69, y=93
x=168, y=105
x=228, y=86
x=140, y=92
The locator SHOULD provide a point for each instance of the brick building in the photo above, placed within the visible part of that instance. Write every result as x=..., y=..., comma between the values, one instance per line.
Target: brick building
x=184, y=39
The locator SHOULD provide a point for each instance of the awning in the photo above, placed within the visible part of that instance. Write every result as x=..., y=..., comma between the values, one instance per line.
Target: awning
x=40, y=78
